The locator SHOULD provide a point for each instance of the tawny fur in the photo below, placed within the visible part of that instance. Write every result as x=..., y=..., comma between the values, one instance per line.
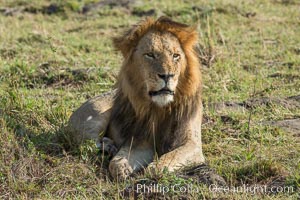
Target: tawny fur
x=138, y=126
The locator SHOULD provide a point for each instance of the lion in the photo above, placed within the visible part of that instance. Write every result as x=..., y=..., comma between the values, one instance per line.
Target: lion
x=152, y=120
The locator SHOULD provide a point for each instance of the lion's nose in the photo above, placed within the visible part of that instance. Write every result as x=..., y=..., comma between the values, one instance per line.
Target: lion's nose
x=165, y=77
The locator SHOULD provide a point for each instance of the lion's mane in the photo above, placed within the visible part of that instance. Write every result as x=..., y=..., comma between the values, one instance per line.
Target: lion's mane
x=143, y=118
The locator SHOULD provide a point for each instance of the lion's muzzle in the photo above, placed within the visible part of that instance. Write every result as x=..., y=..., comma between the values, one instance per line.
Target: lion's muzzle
x=164, y=91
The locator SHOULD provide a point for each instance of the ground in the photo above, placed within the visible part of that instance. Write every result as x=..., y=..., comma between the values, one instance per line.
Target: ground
x=54, y=55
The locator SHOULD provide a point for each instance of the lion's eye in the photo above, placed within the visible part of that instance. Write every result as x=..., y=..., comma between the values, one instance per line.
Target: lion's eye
x=176, y=56
x=150, y=55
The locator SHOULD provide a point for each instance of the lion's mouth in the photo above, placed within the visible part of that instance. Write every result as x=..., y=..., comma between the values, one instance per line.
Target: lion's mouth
x=164, y=91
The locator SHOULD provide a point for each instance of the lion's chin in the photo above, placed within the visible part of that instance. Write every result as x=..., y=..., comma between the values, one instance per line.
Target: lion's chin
x=163, y=99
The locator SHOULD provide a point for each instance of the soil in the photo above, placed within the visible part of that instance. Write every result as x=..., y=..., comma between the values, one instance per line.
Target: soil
x=290, y=125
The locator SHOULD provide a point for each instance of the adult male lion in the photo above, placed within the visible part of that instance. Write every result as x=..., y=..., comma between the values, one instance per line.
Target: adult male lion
x=156, y=110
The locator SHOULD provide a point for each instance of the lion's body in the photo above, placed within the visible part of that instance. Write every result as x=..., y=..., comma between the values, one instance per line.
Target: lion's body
x=156, y=108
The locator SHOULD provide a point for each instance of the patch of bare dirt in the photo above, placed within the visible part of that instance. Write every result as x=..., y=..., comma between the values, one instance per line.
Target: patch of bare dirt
x=276, y=182
x=8, y=53
x=203, y=174
x=11, y=11
x=142, y=13
x=66, y=77
x=287, y=2
x=48, y=10
x=226, y=106
x=286, y=77
x=47, y=75
x=290, y=125
x=111, y=3
x=289, y=102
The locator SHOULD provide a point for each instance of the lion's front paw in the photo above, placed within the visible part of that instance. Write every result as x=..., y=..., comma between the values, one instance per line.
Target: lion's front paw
x=119, y=168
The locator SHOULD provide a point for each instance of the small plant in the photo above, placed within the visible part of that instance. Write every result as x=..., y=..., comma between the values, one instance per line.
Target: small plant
x=88, y=150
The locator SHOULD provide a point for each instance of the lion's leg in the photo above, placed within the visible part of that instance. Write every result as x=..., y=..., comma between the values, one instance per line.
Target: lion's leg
x=92, y=118
x=188, y=154
x=130, y=159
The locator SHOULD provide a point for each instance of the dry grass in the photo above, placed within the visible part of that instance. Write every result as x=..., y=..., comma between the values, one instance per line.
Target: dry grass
x=53, y=58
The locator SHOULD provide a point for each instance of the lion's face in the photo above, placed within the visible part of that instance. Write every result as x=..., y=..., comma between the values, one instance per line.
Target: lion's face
x=159, y=59
x=160, y=65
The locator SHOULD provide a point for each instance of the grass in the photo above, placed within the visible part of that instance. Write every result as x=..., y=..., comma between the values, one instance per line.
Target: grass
x=50, y=63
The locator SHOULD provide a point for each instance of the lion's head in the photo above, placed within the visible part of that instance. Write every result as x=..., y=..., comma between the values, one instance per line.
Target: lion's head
x=160, y=65
x=161, y=59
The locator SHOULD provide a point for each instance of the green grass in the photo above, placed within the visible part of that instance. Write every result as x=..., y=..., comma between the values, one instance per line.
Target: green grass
x=51, y=64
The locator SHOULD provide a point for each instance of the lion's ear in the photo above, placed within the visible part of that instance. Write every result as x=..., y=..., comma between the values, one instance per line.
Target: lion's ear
x=128, y=41
x=186, y=34
x=123, y=43
x=189, y=37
